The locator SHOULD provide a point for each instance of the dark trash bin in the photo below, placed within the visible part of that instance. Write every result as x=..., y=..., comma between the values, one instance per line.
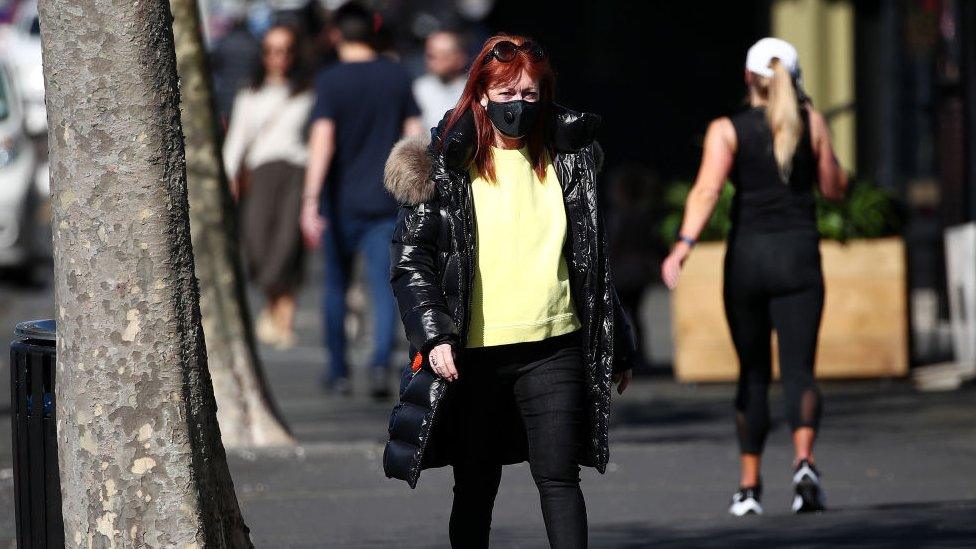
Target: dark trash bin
x=37, y=487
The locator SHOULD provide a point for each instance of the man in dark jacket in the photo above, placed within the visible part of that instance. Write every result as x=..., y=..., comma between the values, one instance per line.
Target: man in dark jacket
x=363, y=104
x=432, y=273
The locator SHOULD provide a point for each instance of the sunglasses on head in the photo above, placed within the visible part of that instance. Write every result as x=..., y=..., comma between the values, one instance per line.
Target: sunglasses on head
x=506, y=50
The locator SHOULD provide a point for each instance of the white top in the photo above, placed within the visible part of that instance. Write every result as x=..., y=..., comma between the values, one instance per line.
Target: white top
x=435, y=97
x=278, y=117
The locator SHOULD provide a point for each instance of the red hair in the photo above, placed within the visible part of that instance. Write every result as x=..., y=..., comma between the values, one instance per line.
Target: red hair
x=485, y=75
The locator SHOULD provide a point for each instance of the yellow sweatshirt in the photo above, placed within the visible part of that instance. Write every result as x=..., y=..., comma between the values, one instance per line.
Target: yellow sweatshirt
x=521, y=285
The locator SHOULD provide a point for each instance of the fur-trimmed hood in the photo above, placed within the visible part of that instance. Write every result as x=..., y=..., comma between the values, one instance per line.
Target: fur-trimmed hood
x=407, y=171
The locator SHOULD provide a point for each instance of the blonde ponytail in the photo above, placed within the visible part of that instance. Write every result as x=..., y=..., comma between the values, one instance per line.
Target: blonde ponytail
x=783, y=115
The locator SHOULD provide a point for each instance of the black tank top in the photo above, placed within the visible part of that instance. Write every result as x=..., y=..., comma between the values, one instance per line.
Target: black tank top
x=763, y=202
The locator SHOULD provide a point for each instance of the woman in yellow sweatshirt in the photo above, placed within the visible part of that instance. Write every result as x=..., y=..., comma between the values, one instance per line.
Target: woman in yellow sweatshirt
x=502, y=280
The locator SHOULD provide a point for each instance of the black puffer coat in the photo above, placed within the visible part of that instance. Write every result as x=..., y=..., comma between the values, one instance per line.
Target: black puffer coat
x=433, y=254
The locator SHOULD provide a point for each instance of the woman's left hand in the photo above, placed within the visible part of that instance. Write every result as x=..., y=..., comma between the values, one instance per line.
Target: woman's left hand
x=622, y=379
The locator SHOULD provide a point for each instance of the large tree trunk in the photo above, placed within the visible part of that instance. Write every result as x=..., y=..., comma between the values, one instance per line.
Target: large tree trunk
x=139, y=447
x=245, y=411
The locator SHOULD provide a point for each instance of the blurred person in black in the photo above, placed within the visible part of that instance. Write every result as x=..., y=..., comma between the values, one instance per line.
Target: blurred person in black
x=264, y=157
x=634, y=212
x=439, y=90
x=774, y=151
x=307, y=17
x=233, y=60
x=363, y=105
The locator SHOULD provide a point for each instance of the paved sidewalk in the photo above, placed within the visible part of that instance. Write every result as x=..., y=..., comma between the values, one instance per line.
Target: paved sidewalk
x=898, y=468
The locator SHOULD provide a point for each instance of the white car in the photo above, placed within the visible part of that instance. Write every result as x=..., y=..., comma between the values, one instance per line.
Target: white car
x=20, y=43
x=20, y=235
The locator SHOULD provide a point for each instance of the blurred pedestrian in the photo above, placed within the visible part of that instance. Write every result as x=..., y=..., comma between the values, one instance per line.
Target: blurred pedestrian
x=439, y=90
x=635, y=199
x=363, y=105
x=310, y=19
x=503, y=285
x=773, y=151
x=264, y=157
x=233, y=60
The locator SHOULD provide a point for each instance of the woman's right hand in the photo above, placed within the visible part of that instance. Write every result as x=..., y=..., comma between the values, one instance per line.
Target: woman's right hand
x=671, y=268
x=441, y=360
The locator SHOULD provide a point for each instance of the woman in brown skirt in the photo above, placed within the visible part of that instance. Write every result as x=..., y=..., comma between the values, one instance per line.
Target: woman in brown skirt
x=264, y=156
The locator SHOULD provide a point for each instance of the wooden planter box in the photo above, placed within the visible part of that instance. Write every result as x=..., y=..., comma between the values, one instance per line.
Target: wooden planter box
x=864, y=332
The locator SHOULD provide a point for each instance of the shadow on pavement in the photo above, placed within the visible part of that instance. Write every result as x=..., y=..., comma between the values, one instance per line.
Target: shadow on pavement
x=948, y=523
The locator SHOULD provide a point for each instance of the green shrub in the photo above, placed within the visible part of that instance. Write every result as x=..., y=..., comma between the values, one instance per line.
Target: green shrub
x=867, y=212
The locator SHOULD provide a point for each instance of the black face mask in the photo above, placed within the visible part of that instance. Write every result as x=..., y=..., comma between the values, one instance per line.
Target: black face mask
x=513, y=118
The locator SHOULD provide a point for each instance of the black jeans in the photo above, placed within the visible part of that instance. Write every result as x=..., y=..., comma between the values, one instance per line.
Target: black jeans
x=544, y=381
x=774, y=281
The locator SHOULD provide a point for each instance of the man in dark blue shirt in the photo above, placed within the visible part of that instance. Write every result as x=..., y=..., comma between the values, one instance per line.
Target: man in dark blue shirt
x=363, y=105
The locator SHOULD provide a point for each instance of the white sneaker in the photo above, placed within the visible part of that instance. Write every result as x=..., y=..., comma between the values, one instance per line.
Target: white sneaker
x=265, y=330
x=746, y=502
x=809, y=495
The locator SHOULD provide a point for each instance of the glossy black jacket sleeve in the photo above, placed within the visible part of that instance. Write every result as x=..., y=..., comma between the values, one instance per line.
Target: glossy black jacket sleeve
x=415, y=280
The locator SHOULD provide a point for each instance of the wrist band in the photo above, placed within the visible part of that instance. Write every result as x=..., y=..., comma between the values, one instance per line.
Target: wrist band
x=687, y=240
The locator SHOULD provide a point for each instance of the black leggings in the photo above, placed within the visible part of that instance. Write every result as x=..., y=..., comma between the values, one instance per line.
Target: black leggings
x=545, y=382
x=773, y=281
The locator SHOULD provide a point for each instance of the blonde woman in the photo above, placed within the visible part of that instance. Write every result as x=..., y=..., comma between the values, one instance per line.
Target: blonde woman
x=774, y=151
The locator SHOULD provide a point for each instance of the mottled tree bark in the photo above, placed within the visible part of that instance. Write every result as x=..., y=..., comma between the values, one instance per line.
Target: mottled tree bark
x=139, y=446
x=245, y=410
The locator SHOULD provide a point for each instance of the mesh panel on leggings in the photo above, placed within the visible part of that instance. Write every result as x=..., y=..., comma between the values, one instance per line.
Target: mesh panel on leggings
x=808, y=413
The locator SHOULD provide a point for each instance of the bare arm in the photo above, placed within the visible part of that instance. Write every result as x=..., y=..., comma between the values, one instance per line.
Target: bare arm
x=719, y=153
x=720, y=143
x=832, y=178
x=412, y=127
x=321, y=147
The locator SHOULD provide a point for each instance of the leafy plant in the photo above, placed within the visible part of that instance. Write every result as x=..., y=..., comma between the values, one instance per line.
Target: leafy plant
x=675, y=196
x=868, y=212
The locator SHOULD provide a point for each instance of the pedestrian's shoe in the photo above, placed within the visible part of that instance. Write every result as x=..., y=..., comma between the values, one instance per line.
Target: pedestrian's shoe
x=265, y=329
x=380, y=384
x=746, y=501
x=809, y=497
x=339, y=386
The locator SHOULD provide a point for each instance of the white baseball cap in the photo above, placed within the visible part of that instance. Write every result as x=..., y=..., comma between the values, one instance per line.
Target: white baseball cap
x=764, y=51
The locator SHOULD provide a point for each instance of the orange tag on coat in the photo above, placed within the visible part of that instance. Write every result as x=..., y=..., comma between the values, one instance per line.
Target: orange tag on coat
x=418, y=361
